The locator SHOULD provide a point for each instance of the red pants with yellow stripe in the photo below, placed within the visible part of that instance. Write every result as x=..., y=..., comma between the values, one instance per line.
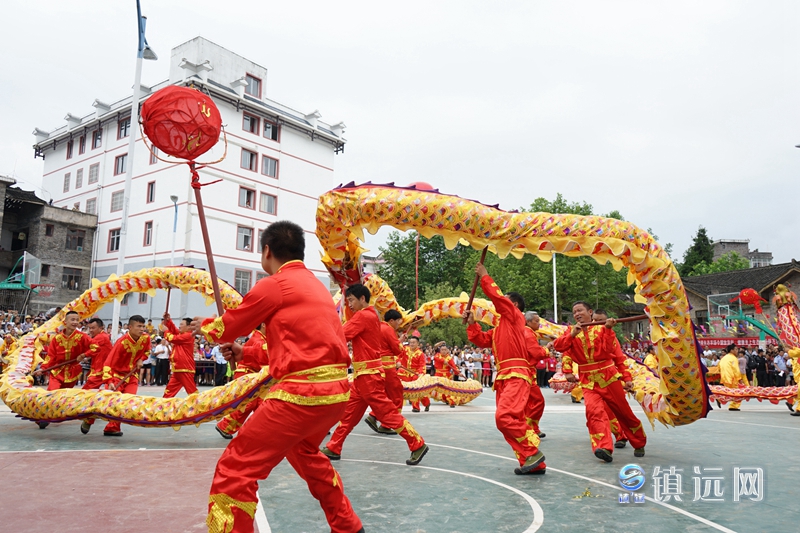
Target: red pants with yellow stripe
x=611, y=397
x=511, y=396
x=180, y=380
x=394, y=390
x=94, y=382
x=414, y=403
x=131, y=387
x=368, y=390
x=535, y=407
x=276, y=430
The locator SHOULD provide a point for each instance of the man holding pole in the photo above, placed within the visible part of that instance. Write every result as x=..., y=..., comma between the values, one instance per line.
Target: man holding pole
x=308, y=360
x=513, y=381
x=182, y=358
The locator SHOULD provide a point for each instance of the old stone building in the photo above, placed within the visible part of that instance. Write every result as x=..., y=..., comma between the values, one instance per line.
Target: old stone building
x=61, y=239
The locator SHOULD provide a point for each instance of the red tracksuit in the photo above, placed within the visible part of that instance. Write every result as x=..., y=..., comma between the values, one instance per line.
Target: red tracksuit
x=600, y=367
x=535, y=406
x=99, y=348
x=513, y=382
x=181, y=361
x=368, y=388
x=445, y=367
x=389, y=353
x=308, y=359
x=61, y=349
x=122, y=359
x=254, y=358
x=414, y=360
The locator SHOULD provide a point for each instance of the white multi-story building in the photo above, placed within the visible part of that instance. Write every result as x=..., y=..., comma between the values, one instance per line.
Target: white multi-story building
x=278, y=162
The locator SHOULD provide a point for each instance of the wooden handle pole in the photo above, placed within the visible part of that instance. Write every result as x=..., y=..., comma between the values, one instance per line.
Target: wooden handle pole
x=212, y=269
x=169, y=292
x=475, y=283
x=624, y=319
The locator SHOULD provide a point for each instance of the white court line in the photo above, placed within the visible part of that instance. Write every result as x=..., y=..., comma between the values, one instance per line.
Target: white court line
x=261, y=517
x=538, y=514
x=749, y=424
x=549, y=468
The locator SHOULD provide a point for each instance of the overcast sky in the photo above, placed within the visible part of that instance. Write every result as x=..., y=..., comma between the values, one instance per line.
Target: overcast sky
x=677, y=114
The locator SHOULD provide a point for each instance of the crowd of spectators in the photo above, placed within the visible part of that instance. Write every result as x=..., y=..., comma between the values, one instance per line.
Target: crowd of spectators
x=764, y=368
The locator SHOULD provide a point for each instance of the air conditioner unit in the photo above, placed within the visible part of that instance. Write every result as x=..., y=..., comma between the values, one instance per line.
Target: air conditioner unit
x=79, y=248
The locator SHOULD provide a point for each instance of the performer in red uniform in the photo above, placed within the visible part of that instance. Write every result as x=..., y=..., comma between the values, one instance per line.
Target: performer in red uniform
x=600, y=367
x=620, y=438
x=368, y=388
x=414, y=360
x=250, y=358
x=123, y=364
x=66, y=345
x=513, y=381
x=535, y=406
x=182, y=357
x=309, y=360
x=99, y=349
x=390, y=352
x=445, y=367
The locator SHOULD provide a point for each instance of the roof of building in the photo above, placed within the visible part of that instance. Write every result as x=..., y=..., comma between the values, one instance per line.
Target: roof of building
x=758, y=278
x=17, y=195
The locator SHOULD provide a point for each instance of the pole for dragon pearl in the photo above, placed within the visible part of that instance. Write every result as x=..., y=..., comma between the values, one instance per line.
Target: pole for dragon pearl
x=212, y=269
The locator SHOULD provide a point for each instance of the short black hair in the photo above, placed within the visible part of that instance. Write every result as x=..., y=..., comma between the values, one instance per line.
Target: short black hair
x=600, y=312
x=97, y=321
x=359, y=291
x=188, y=321
x=285, y=239
x=392, y=314
x=136, y=318
x=729, y=348
x=651, y=349
x=586, y=305
x=517, y=299
x=71, y=313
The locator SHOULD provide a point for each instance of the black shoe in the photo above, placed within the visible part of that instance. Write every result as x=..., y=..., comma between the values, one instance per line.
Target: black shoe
x=226, y=436
x=603, y=454
x=789, y=405
x=427, y=408
x=531, y=463
x=329, y=454
x=372, y=422
x=417, y=455
x=537, y=472
x=112, y=433
x=621, y=443
x=361, y=530
x=796, y=413
x=42, y=425
x=733, y=409
x=452, y=406
x=575, y=401
x=416, y=410
x=386, y=431
x=638, y=452
x=541, y=435
x=719, y=404
x=85, y=427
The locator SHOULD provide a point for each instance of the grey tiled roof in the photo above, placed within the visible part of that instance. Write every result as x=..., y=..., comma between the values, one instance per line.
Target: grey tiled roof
x=759, y=278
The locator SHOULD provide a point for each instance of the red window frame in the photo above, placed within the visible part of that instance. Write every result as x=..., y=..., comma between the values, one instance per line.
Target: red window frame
x=108, y=244
x=111, y=206
x=255, y=197
x=276, y=203
x=260, y=85
x=252, y=243
x=277, y=138
x=116, y=164
x=252, y=118
x=97, y=138
x=235, y=270
x=263, y=166
x=149, y=199
x=144, y=235
x=82, y=145
x=70, y=146
x=255, y=159
x=119, y=128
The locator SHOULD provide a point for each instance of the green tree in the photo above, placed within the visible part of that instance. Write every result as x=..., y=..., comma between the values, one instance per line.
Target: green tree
x=451, y=330
x=726, y=263
x=700, y=251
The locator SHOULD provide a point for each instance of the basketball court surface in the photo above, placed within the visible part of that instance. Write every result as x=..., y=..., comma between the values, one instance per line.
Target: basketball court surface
x=701, y=477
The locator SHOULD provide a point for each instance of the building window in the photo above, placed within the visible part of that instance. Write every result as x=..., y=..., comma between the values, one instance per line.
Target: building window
x=49, y=229
x=116, y=200
x=82, y=145
x=267, y=204
x=91, y=206
x=260, y=276
x=242, y=281
x=79, y=178
x=148, y=233
x=94, y=173
x=253, y=87
x=75, y=239
x=120, y=164
x=125, y=299
x=71, y=279
x=250, y=123
x=45, y=271
x=249, y=160
x=269, y=167
x=142, y=297
x=124, y=128
x=97, y=138
x=151, y=192
x=247, y=198
x=153, y=155
x=113, y=240
x=270, y=130
x=69, y=149
x=66, y=182
x=244, y=238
